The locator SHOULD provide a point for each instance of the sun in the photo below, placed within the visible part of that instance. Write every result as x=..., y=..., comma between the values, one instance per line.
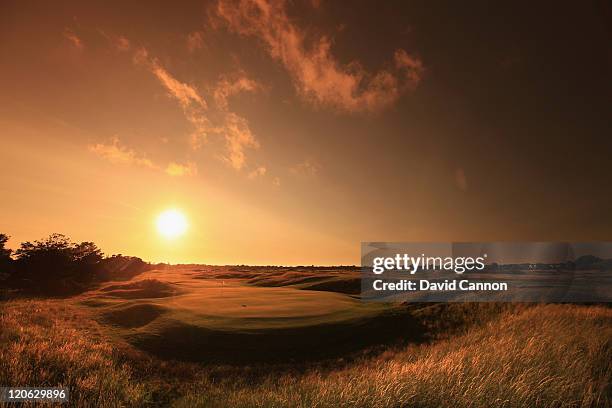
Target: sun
x=171, y=224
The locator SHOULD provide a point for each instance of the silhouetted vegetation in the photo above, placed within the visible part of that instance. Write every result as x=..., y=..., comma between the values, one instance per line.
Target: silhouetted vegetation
x=6, y=263
x=121, y=267
x=56, y=266
x=593, y=262
x=5, y=254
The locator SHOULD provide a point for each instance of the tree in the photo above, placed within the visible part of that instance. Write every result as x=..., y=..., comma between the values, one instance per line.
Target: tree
x=120, y=267
x=4, y=252
x=5, y=256
x=57, y=265
x=3, y=239
x=87, y=253
x=49, y=256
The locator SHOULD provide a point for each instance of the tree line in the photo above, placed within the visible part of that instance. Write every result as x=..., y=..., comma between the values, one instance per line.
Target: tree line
x=56, y=266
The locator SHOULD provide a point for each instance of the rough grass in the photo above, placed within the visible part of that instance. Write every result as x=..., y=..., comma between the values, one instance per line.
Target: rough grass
x=46, y=343
x=542, y=356
x=141, y=289
x=131, y=316
x=546, y=356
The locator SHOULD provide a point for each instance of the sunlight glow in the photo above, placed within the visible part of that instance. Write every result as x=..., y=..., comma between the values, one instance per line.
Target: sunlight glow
x=171, y=224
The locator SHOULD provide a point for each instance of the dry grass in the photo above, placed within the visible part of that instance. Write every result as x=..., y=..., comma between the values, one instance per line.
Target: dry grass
x=48, y=343
x=544, y=356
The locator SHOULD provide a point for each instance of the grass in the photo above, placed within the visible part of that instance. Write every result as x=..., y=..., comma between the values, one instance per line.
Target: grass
x=176, y=314
x=541, y=356
x=545, y=356
x=49, y=343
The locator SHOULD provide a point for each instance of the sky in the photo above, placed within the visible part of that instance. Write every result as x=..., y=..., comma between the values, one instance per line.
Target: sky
x=288, y=132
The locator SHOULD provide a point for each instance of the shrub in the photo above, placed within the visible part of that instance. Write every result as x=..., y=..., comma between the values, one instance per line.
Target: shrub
x=56, y=266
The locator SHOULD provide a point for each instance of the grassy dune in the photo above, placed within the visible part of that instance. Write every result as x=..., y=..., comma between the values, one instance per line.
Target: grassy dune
x=541, y=356
x=51, y=343
x=546, y=356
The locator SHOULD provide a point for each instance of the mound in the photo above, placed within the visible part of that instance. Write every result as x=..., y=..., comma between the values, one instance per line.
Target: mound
x=175, y=315
x=284, y=280
x=327, y=280
x=134, y=315
x=142, y=289
x=234, y=275
x=350, y=286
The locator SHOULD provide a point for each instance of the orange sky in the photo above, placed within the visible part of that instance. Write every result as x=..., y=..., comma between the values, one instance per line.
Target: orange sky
x=288, y=133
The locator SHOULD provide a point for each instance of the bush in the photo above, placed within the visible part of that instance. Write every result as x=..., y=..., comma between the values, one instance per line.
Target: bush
x=56, y=266
x=119, y=267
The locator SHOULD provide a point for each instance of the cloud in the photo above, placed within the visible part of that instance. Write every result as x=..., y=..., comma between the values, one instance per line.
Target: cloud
x=317, y=75
x=238, y=137
x=118, y=154
x=118, y=42
x=227, y=87
x=184, y=93
x=258, y=172
x=412, y=66
x=308, y=167
x=195, y=41
x=73, y=38
x=121, y=43
x=234, y=128
x=192, y=103
x=208, y=120
x=177, y=169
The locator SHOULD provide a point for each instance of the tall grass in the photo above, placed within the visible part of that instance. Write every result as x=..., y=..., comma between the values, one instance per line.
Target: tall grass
x=543, y=356
x=48, y=343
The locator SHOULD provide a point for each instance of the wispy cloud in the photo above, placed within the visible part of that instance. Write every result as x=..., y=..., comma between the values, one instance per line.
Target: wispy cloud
x=118, y=42
x=122, y=43
x=71, y=36
x=187, y=95
x=257, y=172
x=412, y=66
x=115, y=152
x=234, y=128
x=192, y=103
x=207, y=120
x=195, y=41
x=232, y=85
x=318, y=76
x=238, y=137
x=177, y=169
x=308, y=167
